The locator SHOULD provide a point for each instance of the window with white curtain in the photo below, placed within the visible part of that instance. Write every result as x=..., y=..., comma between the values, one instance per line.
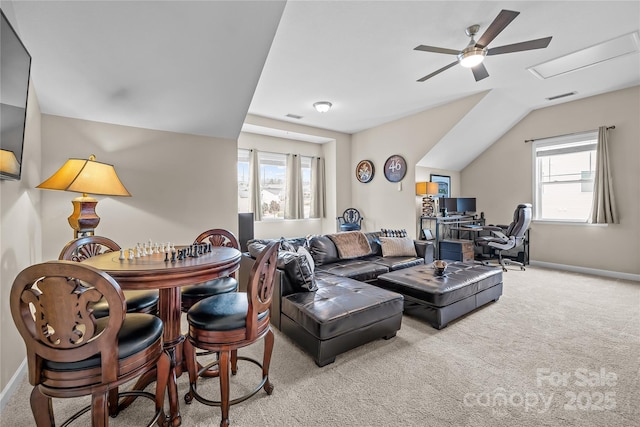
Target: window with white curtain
x=564, y=169
x=273, y=172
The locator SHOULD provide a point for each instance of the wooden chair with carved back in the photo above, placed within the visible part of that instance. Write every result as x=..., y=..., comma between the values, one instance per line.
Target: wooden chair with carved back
x=86, y=247
x=194, y=293
x=224, y=323
x=71, y=353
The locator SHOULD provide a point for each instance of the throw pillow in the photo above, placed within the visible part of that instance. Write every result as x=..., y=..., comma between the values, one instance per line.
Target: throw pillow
x=304, y=252
x=393, y=233
x=298, y=270
x=397, y=246
x=351, y=244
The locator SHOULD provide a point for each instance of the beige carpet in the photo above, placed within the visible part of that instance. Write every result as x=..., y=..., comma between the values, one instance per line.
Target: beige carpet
x=558, y=349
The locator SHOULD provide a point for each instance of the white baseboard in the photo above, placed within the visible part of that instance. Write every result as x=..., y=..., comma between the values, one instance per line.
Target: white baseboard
x=585, y=270
x=12, y=385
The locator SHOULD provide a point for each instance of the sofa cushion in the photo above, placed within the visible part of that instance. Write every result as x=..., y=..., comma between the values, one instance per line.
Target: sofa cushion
x=351, y=244
x=397, y=246
x=323, y=250
x=397, y=262
x=339, y=306
x=359, y=269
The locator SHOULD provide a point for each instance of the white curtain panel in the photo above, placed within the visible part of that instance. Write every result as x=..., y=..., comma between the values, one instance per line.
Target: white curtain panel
x=603, y=209
x=255, y=201
x=318, y=196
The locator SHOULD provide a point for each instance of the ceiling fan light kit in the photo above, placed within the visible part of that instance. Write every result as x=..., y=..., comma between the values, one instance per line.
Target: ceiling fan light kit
x=473, y=55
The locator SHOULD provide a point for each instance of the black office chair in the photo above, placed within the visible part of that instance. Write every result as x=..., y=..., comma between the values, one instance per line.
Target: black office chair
x=350, y=220
x=511, y=237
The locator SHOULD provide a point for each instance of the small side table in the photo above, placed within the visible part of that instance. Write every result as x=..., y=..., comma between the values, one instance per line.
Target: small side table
x=456, y=250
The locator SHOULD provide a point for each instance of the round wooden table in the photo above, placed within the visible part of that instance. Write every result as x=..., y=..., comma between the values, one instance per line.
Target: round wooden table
x=153, y=272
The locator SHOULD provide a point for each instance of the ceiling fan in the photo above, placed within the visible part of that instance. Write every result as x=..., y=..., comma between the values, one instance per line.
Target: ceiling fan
x=473, y=55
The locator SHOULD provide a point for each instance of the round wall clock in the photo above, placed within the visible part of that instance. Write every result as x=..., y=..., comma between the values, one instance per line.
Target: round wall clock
x=395, y=168
x=365, y=171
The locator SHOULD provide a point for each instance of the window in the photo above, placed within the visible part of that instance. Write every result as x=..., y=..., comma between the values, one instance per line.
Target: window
x=563, y=177
x=273, y=172
x=306, y=184
x=273, y=168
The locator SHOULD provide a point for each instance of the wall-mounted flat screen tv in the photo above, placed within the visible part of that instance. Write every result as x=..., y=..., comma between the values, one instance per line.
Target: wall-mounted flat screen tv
x=15, y=66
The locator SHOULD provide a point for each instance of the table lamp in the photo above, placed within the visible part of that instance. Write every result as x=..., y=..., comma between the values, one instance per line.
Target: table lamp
x=429, y=203
x=85, y=176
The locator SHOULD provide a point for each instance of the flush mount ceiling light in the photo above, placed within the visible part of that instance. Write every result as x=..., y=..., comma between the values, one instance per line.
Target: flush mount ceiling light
x=322, y=106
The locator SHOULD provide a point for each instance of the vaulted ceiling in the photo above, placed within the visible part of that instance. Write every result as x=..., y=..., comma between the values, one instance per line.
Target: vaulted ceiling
x=199, y=67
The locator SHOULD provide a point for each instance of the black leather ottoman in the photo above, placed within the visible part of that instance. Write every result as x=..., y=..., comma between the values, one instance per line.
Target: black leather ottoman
x=342, y=314
x=439, y=300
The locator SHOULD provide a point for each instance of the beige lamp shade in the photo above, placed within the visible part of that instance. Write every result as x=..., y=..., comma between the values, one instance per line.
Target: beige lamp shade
x=8, y=162
x=87, y=177
x=424, y=188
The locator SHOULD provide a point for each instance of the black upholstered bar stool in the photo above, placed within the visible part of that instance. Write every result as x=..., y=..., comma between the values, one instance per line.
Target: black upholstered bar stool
x=71, y=353
x=194, y=293
x=224, y=323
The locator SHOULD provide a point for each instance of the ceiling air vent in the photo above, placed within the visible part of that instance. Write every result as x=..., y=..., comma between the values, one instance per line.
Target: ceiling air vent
x=553, y=98
x=293, y=116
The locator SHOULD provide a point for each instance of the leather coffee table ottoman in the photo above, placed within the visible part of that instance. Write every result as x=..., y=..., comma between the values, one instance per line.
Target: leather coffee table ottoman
x=441, y=299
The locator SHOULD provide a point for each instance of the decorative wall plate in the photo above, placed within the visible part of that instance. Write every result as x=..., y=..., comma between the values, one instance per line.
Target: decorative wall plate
x=395, y=168
x=365, y=171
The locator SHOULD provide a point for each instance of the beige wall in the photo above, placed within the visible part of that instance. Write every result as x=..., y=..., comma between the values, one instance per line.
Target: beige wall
x=20, y=237
x=502, y=177
x=179, y=183
x=394, y=205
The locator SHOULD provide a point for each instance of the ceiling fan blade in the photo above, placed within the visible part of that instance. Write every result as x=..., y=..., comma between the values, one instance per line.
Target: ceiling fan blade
x=518, y=47
x=434, y=49
x=503, y=19
x=480, y=72
x=446, y=67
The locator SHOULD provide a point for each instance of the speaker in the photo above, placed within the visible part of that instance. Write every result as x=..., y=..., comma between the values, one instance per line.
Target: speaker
x=245, y=229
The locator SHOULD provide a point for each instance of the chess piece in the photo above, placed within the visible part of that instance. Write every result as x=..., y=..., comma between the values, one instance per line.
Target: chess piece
x=173, y=254
x=157, y=249
x=131, y=255
x=166, y=256
x=121, y=254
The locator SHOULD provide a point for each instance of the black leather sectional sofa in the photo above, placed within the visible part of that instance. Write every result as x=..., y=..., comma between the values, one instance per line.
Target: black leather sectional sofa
x=342, y=310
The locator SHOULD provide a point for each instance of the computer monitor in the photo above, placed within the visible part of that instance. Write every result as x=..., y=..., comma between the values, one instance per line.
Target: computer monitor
x=466, y=205
x=449, y=203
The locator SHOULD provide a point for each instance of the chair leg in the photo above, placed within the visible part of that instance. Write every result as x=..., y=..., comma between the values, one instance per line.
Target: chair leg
x=234, y=362
x=504, y=267
x=192, y=369
x=268, y=349
x=162, y=369
x=113, y=403
x=42, y=408
x=100, y=409
x=224, y=387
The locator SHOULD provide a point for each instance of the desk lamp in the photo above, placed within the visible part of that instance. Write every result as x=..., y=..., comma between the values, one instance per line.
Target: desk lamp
x=429, y=203
x=85, y=176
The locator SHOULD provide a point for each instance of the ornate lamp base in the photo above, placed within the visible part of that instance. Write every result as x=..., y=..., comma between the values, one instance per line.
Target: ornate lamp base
x=84, y=219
